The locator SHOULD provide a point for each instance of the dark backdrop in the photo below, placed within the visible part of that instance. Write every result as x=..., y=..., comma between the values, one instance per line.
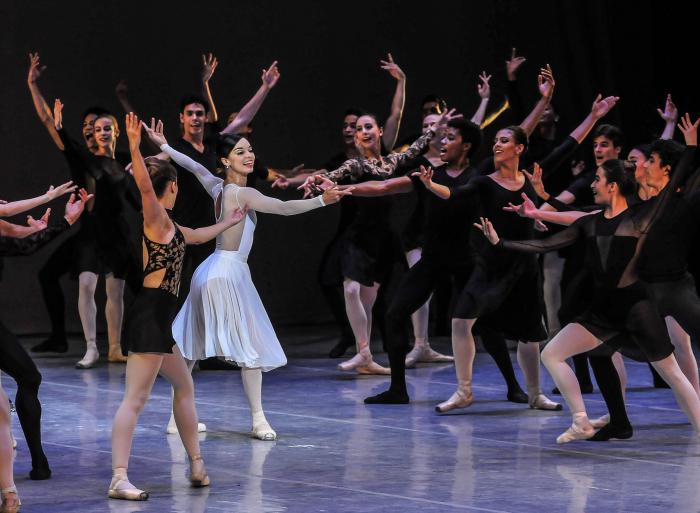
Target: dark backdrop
x=328, y=62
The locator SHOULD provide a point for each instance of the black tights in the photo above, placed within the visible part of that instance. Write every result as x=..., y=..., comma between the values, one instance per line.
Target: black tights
x=58, y=264
x=610, y=388
x=16, y=363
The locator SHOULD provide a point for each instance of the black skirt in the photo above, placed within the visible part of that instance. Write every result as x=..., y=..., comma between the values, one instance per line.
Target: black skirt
x=148, y=322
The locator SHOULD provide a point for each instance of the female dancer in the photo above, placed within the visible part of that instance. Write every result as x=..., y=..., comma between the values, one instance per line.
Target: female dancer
x=621, y=306
x=370, y=246
x=8, y=490
x=14, y=359
x=147, y=334
x=223, y=314
x=506, y=285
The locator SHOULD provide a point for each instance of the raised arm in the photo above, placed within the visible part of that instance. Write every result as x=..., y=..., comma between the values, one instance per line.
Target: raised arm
x=209, y=64
x=514, y=99
x=205, y=177
x=17, y=207
x=484, y=90
x=42, y=108
x=670, y=117
x=528, y=209
x=154, y=215
x=393, y=122
x=565, y=238
x=269, y=79
x=545, y=84
x=599, y=109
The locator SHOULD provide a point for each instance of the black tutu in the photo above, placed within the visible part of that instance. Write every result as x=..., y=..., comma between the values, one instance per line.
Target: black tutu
x=148, y=322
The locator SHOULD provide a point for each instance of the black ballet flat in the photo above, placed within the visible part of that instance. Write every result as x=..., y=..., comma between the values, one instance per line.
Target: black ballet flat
x=609, y=432
x=388, y=397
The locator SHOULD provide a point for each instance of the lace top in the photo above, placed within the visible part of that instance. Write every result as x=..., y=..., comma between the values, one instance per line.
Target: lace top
x=168, y=256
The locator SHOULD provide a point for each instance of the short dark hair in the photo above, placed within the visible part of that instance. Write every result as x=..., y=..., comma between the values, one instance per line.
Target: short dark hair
x=620, y=172
x=669, y=152
x=226, y=143
x=352, y=111
x=470, y=132
x=644, y=149
x=96, y=110
x=162, y=173
x=612, y=132
x=193, y=98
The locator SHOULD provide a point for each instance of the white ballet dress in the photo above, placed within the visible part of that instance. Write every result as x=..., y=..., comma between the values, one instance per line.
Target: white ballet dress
x=223, y=314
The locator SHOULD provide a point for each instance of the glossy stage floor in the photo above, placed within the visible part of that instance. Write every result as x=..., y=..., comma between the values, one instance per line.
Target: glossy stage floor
x=335, y=454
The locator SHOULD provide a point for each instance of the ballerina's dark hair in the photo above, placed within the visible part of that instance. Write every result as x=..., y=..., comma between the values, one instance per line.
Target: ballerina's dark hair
x=620, y=172
x=470, y=132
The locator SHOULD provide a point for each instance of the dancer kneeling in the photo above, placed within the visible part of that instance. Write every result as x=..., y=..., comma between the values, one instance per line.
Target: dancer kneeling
x=223, y=314
x=621, y=304
x=148, y=338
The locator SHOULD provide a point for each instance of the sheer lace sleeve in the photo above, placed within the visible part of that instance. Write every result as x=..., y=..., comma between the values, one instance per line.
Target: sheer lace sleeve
x=351, y=167
x=254, y=200
x=205, y=177
x=413, y=151
x=10, y=246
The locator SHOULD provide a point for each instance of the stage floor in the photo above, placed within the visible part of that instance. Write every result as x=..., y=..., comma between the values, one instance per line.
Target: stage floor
x=335, y=454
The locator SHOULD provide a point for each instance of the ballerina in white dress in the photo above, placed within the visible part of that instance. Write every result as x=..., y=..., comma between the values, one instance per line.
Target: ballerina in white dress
x=223, y=314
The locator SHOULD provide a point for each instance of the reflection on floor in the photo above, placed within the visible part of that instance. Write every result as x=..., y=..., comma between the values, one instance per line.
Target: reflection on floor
x=335, y=454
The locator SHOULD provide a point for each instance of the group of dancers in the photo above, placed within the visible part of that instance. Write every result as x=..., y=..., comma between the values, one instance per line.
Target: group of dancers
x=177, y=228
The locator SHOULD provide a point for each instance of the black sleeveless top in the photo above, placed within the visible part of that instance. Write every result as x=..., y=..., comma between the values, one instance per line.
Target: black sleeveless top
x=168, y=256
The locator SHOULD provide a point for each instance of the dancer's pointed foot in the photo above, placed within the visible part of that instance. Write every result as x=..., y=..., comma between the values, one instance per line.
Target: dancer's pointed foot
x=517, y=396
x=601, y=422
x=389, y=397
x=90, y=358
x=121, y=488
x=542, y=402
x=263, y=431
x=621, y=432
x=198, y=474
x=10, y=500
x=460, y=399
x=576, y=433
x=373, y=368
x=361, y=359
x=426, y=354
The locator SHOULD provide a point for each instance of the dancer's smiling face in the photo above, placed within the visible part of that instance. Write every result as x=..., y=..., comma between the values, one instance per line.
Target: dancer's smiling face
x=504, y=146
x=193, y=118
x=89, y=131
x=602, y=190
x=368, y=133
x=105, y=132
x=241, y=158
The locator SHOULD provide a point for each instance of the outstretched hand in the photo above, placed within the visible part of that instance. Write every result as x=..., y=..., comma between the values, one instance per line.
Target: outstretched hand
x=393, y=68
x=57, y=114
x=133, y=129
x=39, y=224
x=155, y=132
x=526, y=209
x=270, y=76
x=670, y=112
x=445, y=118
x=689, y=129
x=513, y=64
x=209, y=64
x=484, y=88
x=312, y=185
x=35, y=68
x=74, y=208
x=545, y=82
x=488, y=230
x=426, y=176
x=535, y=179
x=64, y=188
x=601, y=106
x=334, y=194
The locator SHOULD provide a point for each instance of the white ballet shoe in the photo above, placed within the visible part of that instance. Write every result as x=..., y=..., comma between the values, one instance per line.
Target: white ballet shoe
x=361, y=359
x=172, y=428
x=462, y=398
x=601, y=422
x=263, y=431
x=121, y=488
x=373, y=368
x=10, y=500
x=90, y=358
x=574, y=433
x=542, y=402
